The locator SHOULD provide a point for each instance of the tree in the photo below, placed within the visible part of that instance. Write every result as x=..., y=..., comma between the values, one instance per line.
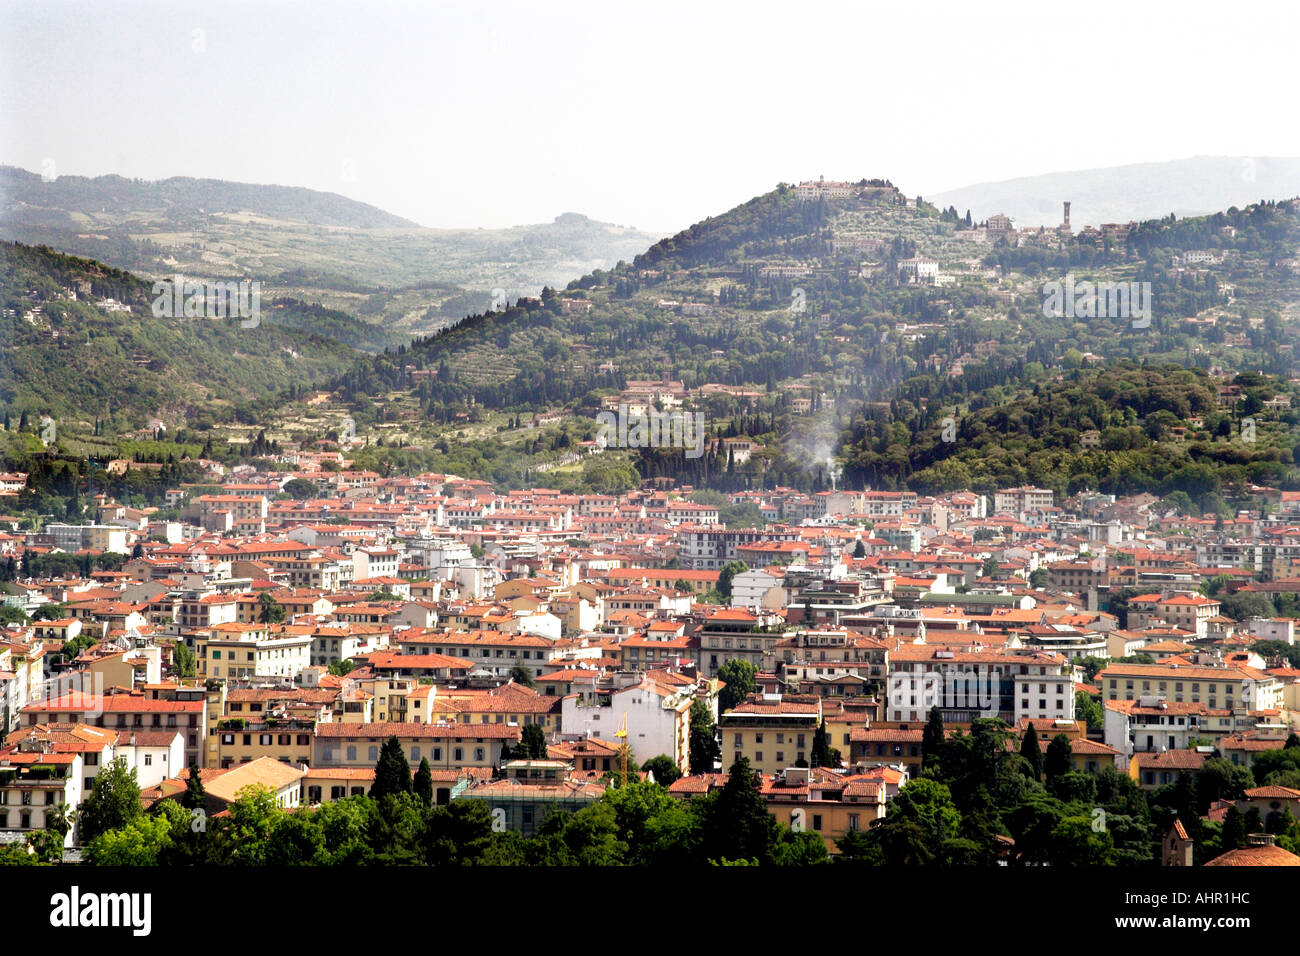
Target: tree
x=300, y=489
x=741, y=680
x=1233, y=834
x=727, y=575
x=1059, y=759
x=457, y=834
x=663, y=768
x=423, y=784
x=145, y=841
x=137, y=551
x=341, y=668
x=195, y=796
x=932, y=740
x=1088, y=710
x=113, y=801
x=821, y=748
x=183, y=659
x=11, y=615
x=702, y=744
x=242, y=837
x=1032, y=752
x=737, y=824
x=532, y=743
x=392, y=772
x=1221, y=779
x=269, y=610
x=522, y=675
x=928, y=803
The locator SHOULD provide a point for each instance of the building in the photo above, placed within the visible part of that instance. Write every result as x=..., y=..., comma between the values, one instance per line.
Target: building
x=771, y=731
x=655, y=714
x=445, y=746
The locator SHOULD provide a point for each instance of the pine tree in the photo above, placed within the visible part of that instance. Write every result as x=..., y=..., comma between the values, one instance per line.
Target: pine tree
x=392, y=772
x=424, y=783
x=1033, y=752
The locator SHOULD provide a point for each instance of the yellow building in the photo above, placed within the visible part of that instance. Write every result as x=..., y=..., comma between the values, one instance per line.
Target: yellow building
x=770, y=731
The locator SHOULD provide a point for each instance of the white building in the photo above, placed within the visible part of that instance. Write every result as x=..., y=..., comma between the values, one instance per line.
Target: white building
x=750, y=588
x=658, y=717
x=154, y=755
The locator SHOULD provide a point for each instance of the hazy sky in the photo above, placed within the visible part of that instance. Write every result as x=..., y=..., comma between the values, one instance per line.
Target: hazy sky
x=652, y=115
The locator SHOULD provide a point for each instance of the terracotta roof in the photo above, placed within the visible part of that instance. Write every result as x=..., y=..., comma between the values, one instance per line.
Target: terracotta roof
x=1256, y=856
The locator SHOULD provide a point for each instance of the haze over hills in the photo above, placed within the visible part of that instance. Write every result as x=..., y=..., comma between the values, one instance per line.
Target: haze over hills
x=1186, y=187
x=318, y=247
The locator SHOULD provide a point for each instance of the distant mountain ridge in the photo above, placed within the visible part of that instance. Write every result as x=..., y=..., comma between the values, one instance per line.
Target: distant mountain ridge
x=51, y=203
x=1186, y=187
x=316, y=247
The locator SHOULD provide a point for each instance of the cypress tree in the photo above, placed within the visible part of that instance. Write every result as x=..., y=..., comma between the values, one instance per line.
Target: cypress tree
x=1058, y=761
x=392, y=772
x=1033, y=752
x=424, y=783
x=932, y=739
x=195, y=797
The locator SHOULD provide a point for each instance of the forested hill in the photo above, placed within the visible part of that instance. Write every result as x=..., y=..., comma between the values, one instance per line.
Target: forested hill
x=1120, y=429
x=81, y=344
x=838, y=324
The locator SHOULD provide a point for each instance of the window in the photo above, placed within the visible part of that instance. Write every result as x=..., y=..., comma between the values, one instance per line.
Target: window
x=458, y=754
x=817, y=821
x=780, y=756
x=352, y=753
x=264, y=740
x=373, y=753
x=148, y=760
x=758, y=756
x=228, y=740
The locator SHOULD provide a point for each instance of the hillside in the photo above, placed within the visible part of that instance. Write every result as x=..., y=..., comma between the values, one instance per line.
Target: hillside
x=784, y=318
x=1119, y=429
x=1184, y=187
x=317, y=247
x=81, y=344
